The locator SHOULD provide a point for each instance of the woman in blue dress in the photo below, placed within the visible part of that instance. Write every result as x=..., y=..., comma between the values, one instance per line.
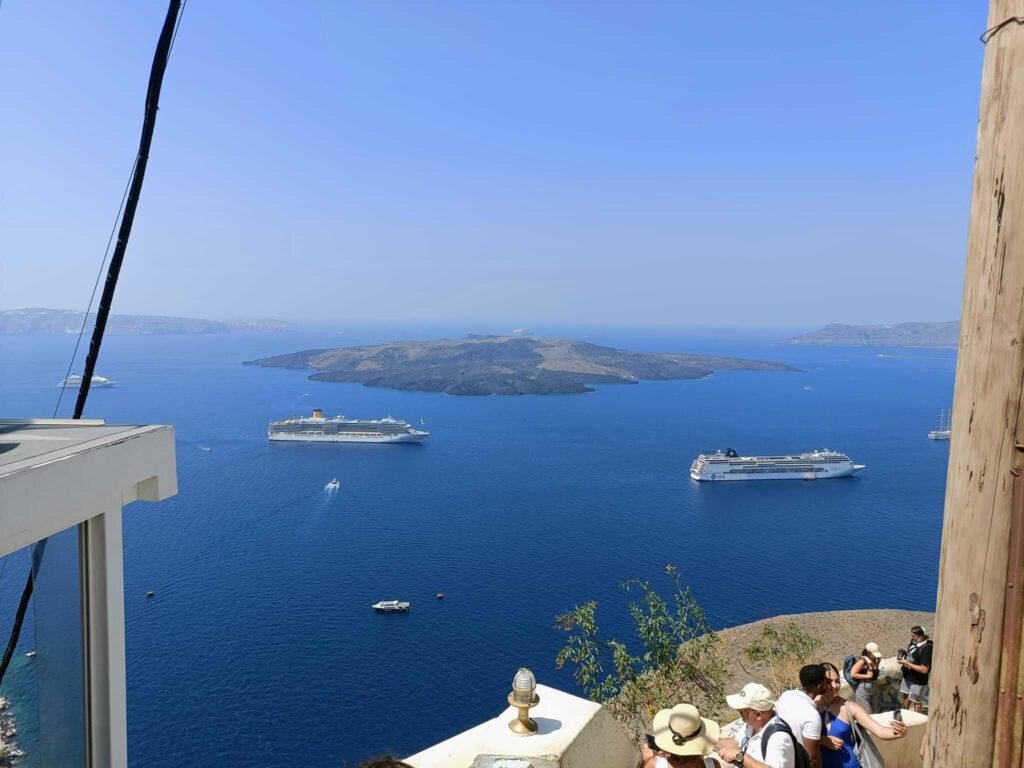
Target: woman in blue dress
x=838, y=752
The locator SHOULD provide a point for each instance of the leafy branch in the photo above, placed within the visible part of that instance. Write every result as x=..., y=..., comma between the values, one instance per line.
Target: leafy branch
x=679, y=657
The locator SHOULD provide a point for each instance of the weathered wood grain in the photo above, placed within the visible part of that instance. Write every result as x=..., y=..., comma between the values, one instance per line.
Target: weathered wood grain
x=982, y=515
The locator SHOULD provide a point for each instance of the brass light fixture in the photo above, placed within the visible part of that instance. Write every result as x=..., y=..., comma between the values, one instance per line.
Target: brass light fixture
x=523, y=696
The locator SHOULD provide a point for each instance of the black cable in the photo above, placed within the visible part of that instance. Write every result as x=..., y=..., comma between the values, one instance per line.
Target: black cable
x=110, y=240
x=989, y=33
x=12, y=642
x=156, y=79
x=95, y=285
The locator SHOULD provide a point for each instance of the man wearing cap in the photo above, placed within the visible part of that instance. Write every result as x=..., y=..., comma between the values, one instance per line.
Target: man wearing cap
x=917, y=665
x=757, y=709
x=864, y=672
x=681, y=739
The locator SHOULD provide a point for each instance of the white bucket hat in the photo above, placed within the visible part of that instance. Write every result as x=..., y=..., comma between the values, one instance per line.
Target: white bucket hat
x=874, y=650
x=682, y=731
x=753, y=696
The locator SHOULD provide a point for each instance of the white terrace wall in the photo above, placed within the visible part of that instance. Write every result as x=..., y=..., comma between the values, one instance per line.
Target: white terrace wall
x=572, y=733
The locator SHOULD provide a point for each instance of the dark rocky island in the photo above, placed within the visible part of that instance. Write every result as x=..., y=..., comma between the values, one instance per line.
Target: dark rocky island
x=938, y=335
x=25, y=322
x=503, y=365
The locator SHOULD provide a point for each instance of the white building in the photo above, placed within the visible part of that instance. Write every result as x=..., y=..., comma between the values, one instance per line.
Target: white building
x=63, y=487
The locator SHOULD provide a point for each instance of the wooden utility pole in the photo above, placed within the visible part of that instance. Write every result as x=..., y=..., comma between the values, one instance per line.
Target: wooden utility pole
x=977, y=685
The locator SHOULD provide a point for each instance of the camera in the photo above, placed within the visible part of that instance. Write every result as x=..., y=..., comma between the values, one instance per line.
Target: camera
x=650, y=742
x=901, y=654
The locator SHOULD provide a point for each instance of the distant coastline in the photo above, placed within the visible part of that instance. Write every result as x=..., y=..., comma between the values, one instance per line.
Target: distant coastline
x=44, y=322
x=503, y=365
x=944, y=335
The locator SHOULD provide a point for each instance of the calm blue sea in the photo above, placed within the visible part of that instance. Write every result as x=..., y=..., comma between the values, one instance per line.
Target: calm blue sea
x=260, y=647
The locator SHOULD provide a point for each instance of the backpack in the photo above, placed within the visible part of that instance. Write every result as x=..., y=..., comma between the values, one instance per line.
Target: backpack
x=848, y=663
x=803, y=760
x=913, y=651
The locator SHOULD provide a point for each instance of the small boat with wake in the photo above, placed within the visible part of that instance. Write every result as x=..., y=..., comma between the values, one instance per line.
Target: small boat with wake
x=391, y=606
x=334, y=485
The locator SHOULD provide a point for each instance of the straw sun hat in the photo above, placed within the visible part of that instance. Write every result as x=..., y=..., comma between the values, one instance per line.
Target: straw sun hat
x=682, y=731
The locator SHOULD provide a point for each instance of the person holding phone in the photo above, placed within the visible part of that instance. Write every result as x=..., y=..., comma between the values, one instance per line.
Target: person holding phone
x=681, y=739
x=838, y=714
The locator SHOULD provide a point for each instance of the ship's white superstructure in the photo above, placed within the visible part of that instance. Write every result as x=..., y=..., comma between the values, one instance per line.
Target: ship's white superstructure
x=815, y=465
x=74, y=380
x=317, y=429
x=392, y=606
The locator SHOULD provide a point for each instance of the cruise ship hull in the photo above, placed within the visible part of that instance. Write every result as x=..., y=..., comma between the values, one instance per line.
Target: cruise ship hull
x=411, y=437
x=813, y=465
x=827, y=474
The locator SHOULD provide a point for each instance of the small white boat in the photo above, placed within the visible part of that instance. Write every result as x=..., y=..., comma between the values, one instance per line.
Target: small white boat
x=391, y=606
x=75, y=380
x=30, y=654
x=943, y=431
x=333, y=485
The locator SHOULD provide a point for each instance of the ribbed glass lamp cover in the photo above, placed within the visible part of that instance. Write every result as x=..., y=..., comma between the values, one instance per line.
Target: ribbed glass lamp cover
x=523, y=686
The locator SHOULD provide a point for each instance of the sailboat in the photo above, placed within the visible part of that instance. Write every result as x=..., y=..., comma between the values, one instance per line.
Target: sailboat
x=943, y=431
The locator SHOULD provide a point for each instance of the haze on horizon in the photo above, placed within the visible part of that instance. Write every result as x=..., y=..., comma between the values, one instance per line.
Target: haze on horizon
x=660, y=164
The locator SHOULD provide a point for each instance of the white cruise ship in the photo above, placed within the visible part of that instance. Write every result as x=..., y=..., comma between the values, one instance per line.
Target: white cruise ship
x=815, y=465
x=317, y=429
x=75, y=380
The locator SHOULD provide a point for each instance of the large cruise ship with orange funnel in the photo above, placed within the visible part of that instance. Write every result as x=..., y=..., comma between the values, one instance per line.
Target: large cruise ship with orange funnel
x=317, y=429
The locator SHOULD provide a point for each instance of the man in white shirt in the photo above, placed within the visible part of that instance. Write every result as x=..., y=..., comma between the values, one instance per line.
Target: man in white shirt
x=798, y=709
x=748, y=750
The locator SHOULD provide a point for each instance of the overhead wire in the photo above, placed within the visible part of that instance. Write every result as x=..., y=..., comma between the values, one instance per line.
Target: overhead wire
x=95, y=285
x=110, y=240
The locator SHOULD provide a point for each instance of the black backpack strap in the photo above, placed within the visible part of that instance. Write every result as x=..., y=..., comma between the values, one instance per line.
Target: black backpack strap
x=770, y=731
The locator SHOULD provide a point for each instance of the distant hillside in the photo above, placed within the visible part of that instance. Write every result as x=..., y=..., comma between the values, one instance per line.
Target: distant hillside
x=37, y=322
x=946, y=335
x=502, y=365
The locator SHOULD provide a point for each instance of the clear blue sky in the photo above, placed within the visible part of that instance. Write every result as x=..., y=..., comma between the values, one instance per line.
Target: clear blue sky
x=629, y=163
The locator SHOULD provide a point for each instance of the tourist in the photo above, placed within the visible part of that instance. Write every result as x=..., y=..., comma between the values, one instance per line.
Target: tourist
x=916, y=662
x=681, y=739
x=864, y=673
x=765, y=741
x=798, y=709
x=838, y=712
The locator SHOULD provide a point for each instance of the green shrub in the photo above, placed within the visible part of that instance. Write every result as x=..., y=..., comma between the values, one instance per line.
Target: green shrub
x=679, y=657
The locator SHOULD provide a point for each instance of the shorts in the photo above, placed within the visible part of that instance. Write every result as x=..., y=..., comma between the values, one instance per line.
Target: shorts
x=913, y=692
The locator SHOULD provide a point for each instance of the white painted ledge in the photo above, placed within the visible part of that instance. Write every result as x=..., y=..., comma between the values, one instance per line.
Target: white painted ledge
x=55, y=474
x=572, y=733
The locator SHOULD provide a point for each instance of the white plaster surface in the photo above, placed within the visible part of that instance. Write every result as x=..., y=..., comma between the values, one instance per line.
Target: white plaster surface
x=572, y=733
x=905, y=752
x=55, y=474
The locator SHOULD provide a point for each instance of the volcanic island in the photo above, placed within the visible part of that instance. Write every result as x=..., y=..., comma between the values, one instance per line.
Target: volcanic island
x=503, y=365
